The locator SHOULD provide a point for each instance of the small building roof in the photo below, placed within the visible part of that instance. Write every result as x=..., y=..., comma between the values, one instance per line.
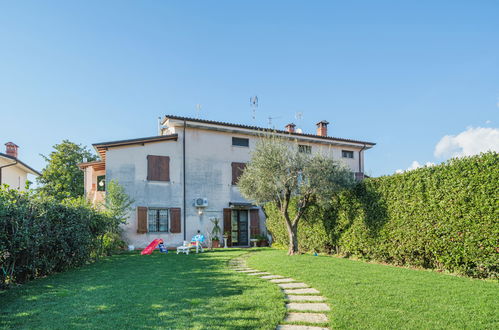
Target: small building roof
x=22, y=164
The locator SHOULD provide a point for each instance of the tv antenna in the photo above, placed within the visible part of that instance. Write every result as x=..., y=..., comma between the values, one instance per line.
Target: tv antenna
x=198, y=110
x=254, y=105
x=270, y=121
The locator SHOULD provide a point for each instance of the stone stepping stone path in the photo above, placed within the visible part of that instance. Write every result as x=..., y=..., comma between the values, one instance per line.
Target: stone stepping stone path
x=304, y=304
x=267, y=277
x=282, y=280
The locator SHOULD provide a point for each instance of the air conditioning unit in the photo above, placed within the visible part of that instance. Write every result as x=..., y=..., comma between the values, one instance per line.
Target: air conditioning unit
x=201, y=202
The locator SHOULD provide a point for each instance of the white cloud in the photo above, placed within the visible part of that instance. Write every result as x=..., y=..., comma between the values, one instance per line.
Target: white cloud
x=488, y=122
x=414, y=165
x=472, y=141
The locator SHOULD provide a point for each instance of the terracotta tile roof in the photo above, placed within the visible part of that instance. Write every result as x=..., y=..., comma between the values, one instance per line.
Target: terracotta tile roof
x=262, y=129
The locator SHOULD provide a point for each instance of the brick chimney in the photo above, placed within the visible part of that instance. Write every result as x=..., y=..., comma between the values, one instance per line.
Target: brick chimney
x=290, y=128
x=11, y=149
x=322, y=128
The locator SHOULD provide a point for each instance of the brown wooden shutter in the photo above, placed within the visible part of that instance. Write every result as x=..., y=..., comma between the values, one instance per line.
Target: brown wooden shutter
x=175, y=226
x=227, y=225
x=237, y=171
x=254, y=222
x=158, y=168
x=141, y=220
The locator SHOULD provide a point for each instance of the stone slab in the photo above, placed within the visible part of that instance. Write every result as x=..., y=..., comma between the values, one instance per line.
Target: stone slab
x=247, y=271
x=298, y=327
x=258, y=273
x=316, y=307
x=306, y=317
x=282, y=280
x=304, y=298
x=271, y=276
x=301, y=291
x=292, y=285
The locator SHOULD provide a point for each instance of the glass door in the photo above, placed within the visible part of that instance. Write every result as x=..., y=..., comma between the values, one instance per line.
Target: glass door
x=239, y=228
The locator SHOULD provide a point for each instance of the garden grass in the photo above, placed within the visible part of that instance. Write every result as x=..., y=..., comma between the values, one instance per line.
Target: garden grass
x=373, y=296
x=196, y=291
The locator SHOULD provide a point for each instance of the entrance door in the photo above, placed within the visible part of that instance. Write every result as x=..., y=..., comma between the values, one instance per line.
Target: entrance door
x=239, y=228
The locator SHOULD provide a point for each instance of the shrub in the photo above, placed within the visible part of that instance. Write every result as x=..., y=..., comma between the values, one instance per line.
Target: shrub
x=39, y=236
x=442, y=217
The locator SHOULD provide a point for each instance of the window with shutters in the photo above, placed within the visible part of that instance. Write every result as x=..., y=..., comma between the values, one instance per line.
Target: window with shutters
x=237, y=171
x=158, y=168
x=158, y=220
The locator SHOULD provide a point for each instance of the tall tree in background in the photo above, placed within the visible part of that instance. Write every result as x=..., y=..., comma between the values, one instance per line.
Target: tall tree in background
x=278, y=172
x=62, y=178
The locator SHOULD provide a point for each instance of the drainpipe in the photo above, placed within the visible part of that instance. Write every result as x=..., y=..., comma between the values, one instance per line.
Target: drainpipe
x=12, y=164
x=360, y=163
x=184, y=184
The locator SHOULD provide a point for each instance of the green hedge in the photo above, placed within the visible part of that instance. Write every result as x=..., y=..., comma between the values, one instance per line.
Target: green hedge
x=39, y=236
x=442, y=217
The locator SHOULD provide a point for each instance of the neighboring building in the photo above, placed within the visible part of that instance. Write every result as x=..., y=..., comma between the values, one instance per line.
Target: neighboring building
x=13, y=171
x=188, y=174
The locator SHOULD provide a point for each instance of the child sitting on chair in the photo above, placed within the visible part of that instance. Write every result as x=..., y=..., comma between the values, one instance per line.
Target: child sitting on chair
x=197, y=240
x=162, y=248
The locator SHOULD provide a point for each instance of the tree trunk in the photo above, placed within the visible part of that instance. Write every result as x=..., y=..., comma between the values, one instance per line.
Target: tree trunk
x=293, y=240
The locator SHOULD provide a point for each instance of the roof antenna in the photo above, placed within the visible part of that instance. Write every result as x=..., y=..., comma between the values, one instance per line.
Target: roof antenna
x=159, y=125
x=270, y=121
x=254, y=105
x=198, y=110
x=298, y=117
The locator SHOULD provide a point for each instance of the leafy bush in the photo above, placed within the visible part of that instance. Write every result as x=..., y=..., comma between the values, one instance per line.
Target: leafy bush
x=441, y=217
x=39, y=236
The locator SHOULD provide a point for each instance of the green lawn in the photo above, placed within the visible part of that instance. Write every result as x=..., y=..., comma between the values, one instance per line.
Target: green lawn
x=157, y=291
x=364, y=295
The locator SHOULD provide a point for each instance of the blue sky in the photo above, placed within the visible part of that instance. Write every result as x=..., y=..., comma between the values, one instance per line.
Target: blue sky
x=401, y=74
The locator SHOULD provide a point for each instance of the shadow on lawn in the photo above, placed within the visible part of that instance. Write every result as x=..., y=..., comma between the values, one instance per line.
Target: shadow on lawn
x=156, y=291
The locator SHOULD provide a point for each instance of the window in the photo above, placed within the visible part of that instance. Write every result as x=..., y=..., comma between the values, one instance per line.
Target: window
x=347, y=154
x=101, y=183
x=240, y=142
x=158, y=168
x=305, y=149
x=157, y=220
x=237, y=171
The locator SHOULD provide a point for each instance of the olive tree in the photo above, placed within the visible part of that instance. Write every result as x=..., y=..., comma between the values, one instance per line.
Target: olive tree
x=278, y=172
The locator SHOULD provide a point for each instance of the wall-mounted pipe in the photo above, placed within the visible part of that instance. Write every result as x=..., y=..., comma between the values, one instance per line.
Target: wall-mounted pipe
x=184, y=183
x=360, y=162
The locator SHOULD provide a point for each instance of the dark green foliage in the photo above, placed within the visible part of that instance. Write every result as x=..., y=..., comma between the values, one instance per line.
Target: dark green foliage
x=62, y=178
x=39, y=235
x=442, y=217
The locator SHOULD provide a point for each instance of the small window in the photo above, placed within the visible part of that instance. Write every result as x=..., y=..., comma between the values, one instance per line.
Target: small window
x=157, y=220
x=240, y=142
x=101, y=183
x=347, y=154
x=305, y=149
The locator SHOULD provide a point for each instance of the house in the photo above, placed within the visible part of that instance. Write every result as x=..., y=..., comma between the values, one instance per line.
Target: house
x=187, y=175
x=14, y=172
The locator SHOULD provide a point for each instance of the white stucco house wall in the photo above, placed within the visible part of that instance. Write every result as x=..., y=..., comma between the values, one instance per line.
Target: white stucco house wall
x=187, y=175
x=14, y=172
